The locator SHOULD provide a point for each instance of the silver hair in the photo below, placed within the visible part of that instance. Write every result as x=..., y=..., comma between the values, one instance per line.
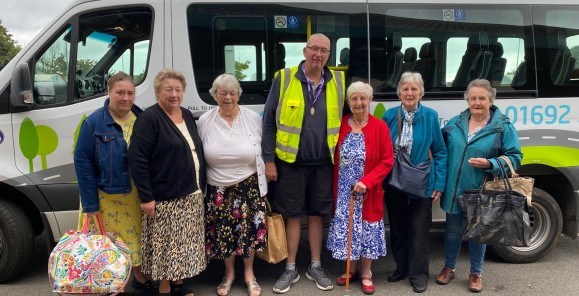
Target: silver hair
x=482, y=83
x=317, y=35
x=359, y=87
x=225, y=81
x=411, y=77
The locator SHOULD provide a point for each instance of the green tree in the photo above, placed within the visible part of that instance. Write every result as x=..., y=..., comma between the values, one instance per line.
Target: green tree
x=8, y=46
x=85, y=65
x=54, y=61
x=239, y=68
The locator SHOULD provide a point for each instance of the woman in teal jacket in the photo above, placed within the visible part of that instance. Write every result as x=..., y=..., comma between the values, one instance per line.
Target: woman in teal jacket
x=410, y=216
x=474, y=139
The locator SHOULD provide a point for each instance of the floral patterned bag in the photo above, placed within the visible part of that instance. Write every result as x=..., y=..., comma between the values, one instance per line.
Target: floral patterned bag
x=84, y=263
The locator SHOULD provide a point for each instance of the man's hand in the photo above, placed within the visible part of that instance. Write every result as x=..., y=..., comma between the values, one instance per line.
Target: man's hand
x=271, y=171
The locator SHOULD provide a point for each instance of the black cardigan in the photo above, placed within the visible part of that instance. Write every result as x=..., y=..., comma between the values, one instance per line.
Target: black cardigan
x=160, y=158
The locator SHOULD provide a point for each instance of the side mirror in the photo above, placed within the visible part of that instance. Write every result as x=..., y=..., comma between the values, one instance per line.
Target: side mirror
x=21, y=88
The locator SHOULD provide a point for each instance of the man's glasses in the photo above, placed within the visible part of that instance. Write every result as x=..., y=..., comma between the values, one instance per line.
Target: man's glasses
x=316, y=49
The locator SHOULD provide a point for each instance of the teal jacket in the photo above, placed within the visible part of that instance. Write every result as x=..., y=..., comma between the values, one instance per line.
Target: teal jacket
x=425, y=135
x=497, y=138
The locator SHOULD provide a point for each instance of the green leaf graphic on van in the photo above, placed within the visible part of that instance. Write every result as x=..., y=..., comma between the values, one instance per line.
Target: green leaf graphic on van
x=47, y=140
x=28, y=141
x=379, y=111
x=36, y=140
x=76, y=132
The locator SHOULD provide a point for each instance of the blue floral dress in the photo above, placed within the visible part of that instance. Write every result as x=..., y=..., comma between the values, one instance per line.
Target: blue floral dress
x=368, y=238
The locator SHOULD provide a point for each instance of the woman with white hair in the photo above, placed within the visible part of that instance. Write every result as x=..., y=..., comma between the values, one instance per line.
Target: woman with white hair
x=363, y=158
x=416, y=131
x=236, y=190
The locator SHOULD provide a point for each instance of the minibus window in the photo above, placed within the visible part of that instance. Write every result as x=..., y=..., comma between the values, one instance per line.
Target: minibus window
x=51, y=72
x=110, y=42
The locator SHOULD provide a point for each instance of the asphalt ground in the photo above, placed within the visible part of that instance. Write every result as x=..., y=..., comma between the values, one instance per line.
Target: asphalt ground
x=556, y=274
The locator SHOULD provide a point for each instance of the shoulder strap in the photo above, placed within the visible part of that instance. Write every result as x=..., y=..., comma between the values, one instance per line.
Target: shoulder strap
x=508, y=162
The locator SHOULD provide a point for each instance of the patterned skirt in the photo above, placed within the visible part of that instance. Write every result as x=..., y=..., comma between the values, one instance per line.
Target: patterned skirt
x=235, y=219
x=173, y=241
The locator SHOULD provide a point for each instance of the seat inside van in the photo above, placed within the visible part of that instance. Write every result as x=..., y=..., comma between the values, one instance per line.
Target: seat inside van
x=476, y=60
x=563, y=62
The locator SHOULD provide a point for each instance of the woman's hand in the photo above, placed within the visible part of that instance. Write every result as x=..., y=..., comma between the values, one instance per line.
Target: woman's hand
x=271, y=171
x=148, y=208
x=360, y=187
x=479, y=163
x=435, y=196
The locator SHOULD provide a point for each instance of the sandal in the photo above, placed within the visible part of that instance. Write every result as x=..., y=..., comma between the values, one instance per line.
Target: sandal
x=224, y=287
x=180, y=290
x=368, y=289
x=253, y=288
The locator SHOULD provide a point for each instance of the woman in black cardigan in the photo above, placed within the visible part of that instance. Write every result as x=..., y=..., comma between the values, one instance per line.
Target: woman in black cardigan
x=167, y=166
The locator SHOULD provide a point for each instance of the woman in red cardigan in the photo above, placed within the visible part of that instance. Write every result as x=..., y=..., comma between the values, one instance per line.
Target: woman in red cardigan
x=363, y=158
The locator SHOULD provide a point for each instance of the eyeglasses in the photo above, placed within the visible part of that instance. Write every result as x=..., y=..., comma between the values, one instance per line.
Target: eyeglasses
x=316, y=49
x=359, y=98
x=223, y=93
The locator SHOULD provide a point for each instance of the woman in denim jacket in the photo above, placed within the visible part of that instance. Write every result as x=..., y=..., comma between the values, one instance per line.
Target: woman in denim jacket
x=100, y=161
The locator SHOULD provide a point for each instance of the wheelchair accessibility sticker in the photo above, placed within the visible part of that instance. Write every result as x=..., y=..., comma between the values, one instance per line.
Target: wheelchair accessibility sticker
x=1, y=137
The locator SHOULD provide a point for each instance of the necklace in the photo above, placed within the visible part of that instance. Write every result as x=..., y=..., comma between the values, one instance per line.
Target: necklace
x=360, y=123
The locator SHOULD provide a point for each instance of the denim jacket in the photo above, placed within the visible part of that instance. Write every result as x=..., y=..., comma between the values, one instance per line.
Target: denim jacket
x=100, y=158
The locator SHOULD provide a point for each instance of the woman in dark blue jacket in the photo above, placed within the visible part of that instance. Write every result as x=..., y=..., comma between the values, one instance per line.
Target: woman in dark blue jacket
x=411, y=216
x=474, y=139
x=100, y=161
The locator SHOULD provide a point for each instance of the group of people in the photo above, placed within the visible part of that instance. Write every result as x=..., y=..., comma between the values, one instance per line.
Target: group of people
x=182, y=192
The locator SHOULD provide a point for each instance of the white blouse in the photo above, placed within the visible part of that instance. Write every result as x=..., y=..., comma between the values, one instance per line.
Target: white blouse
x=228, y=149
x=229, y=154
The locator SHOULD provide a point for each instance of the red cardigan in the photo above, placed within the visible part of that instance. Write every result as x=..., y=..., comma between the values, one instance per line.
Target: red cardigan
x=379, y=159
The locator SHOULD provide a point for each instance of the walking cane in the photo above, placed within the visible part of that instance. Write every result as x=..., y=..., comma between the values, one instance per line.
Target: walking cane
x=347, y=291
x=350, y=222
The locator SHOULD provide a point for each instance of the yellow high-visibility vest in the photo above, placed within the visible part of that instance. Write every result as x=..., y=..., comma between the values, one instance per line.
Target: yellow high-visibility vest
x=290, y=112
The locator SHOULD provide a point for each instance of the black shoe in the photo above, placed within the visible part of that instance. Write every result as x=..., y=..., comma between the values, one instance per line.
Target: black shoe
x=419, y=287
x=396, y=276
x=149, y=287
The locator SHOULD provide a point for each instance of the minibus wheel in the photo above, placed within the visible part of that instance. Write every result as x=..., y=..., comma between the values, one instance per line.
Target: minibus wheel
x=16, y=241
x=546, y=226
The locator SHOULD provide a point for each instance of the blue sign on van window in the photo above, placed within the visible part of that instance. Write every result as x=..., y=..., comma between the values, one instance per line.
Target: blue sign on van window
x=293, y=22
x=1, y=137
x=459, y=15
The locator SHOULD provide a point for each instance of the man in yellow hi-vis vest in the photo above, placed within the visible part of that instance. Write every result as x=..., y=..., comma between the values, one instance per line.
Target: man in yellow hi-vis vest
x=300, y=130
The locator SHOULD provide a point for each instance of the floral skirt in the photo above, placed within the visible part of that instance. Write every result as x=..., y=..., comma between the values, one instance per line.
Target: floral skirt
x=235, y=219
x=173, y=241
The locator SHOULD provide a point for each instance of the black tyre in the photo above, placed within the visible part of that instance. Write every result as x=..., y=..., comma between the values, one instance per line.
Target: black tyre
x=546, y=224
x=16, y=241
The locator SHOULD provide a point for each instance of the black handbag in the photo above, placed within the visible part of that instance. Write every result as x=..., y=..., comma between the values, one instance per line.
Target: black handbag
x=495, y=217
x=405, y=176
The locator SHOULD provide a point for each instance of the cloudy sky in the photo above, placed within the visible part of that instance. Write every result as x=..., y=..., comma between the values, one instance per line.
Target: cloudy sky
x=25, y=18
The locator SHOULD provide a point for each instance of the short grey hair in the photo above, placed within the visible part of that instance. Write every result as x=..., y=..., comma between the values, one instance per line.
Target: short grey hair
x=359, y=87
x=225, y=81
x=317, y=35
x=411, y=77
x=482, y=83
